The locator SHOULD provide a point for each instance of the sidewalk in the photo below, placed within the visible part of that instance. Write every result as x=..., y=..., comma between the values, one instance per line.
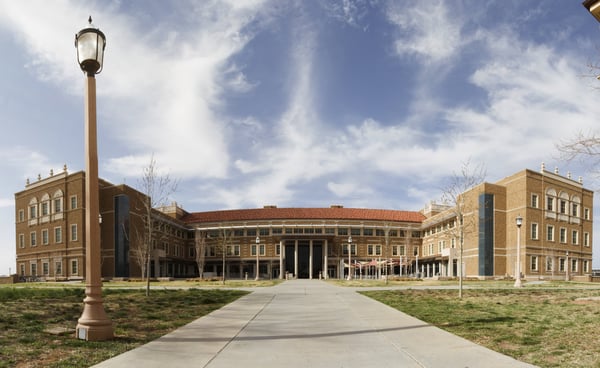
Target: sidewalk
x=309, y=323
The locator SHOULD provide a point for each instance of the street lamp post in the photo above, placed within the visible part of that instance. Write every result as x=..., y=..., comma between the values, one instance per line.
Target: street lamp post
x=350, y=257
x=93, y=325
x=519, y=221
x=257, y=264
x=567, y=266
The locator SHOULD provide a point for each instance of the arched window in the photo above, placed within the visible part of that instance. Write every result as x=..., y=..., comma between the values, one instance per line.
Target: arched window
x=575, y=206
x=33, y=204
x=563, y=203
x=57, y=205
x=45, y=205
x=551, y=200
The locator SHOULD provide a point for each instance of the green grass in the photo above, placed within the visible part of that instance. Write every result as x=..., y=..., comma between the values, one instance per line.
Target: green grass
x=545, y=327
x=26, y=312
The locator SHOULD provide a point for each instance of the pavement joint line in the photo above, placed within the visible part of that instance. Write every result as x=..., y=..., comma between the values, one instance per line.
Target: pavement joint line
x=240, y=331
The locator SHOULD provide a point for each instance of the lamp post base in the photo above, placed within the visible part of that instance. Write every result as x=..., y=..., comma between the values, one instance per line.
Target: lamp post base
x=518, y=283
x=94, y=325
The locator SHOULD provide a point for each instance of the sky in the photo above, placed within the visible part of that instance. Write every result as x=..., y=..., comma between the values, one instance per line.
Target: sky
x=365, y=103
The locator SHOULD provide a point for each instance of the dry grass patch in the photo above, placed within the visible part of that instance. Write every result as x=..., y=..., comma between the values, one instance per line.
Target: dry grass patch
x=27, y=312
x=545, y=327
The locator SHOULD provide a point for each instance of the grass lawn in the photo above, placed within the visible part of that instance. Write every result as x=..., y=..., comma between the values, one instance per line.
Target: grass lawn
x=26, y=312
x=548, y=327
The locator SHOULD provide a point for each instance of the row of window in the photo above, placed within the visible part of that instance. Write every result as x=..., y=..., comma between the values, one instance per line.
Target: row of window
x=46, y=207
x=45, y=237
x=46, y=272
x=315, y=230
x=562, y=204
x=562, y=235
x=235, y=250
x=562, y=264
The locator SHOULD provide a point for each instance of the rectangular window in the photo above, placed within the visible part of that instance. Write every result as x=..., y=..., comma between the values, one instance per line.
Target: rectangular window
x=561, y=265
x=21, y=215
x=534, y=263
x=575, y=210
x=233, y=250
x=238, y=232
x=355, y=231
x=534, y=200
x=45, y=268
x=278, y=249
x=586, y=213
x=563, y=206
x=573, y=265
x=58, y=268
x=563, y=235
x=73, y=202
x=263, y=232
x=58, y=235
x=58, y=205
x=45, y=210
x=549, y=264
x=74, y=232
x=21, y=241
x=277, y=231
x=343, y=231
x=330, y=231
x=534, y=231
x=45, y=237
x=379, y=232
x=33, y=269
x=550, y=233
x=393, y=233
x=33, y=211
x=74, y=267
x=251, y=232
x=402, y=250
x=345, y=249
x=550, y=203
x=22, y=268
x=374, y=249
x=416, y=234
x=586, y=239
x=575, y=237
x=368, y=232
x=33, y=239
x=586, y=266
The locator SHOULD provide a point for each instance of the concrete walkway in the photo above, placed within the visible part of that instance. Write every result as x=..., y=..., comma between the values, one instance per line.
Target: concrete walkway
x=309, y=323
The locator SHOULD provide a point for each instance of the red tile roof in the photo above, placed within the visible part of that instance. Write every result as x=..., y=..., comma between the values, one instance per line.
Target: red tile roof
x=333, y=213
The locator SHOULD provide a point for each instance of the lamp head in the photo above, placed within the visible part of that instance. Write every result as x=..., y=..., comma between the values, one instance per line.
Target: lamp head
x=90, y=43
x=519, y=221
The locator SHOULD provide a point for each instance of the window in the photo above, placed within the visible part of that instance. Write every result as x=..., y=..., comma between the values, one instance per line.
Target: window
x=45, y=237
x=586, y=213
x=74, y=232
x=575, y=237
x=550, y=233
x=263, y=232
x=33, y=269
x=33, y=239
x=586, y=239
x=45, y=268
x=58, y=234
x=278, y=249
x=563, y=206
x=534, y=231
x=261, y=249
x=379, y=232
x=573, y=265
x=74, y=267
x=45, y=208
x=534, y=201
x=191, y=252
x=21, y=215
x=73, y=202
x=368, y=232
x=355, y=231
x=33, y=211
x=549, y=264
x=563, y=235
x=374, y=249
x=277, y=230
x=416, y=234
x=394, y=233
x=402, y=250
x=534, y=263
x=575, y=210
x=58, y=268
x=238, y=232
x=561, y=265
x=342, y=231
x=251, y=232
x=550, y=203
x=233, y=250
x=345, y=248
x=22, y=268
x=21, y=241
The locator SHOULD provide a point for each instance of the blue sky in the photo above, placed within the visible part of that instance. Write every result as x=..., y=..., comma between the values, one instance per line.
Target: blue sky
x=297, y=103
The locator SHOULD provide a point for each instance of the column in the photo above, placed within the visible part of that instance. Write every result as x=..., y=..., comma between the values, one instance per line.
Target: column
x=295, y=258
x=281, y=250
x=310, y=260
x=325, y=265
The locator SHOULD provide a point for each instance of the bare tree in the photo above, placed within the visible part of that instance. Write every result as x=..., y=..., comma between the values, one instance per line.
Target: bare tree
x=585, y=146
x=157, y=190
x=222, y=248
x=454, y=195
x=200, y=250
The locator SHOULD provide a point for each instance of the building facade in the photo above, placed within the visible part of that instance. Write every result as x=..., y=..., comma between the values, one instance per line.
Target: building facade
x=555, y=238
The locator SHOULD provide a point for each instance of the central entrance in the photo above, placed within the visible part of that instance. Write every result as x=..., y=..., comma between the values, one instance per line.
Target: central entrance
x=306, y=255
